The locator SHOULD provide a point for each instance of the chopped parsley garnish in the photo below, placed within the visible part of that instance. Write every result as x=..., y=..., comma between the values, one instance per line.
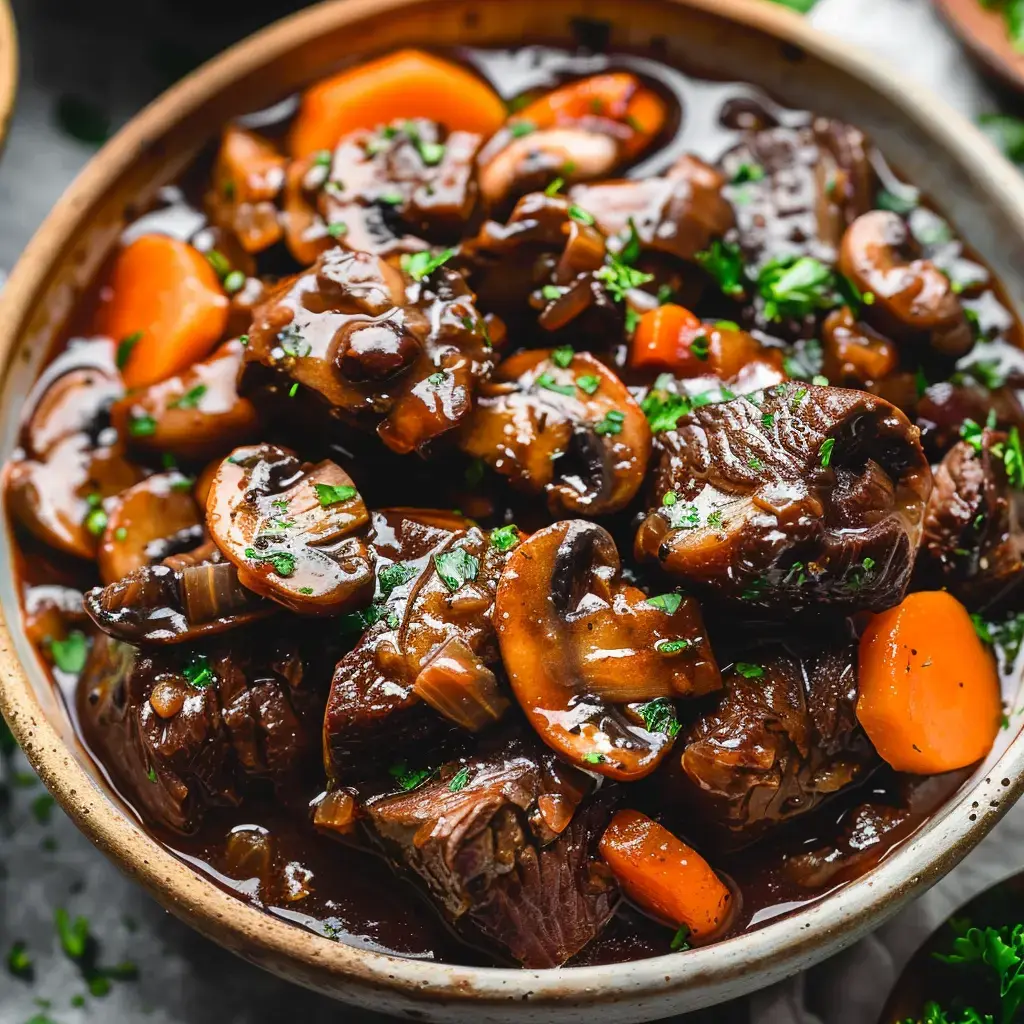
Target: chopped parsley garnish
x=329, y=494
x=664, y=408
x=562, y=356
x=391, y=198
x=700, y=347
x=1006, y=636
x=95, y=521
x=519, y=128
x=283, y=562
x=671, y=646
x=668, y=603
x=190, y=399
x=715, y=518
x=292, y=342
x=669, y=499
x=747, y=172
x=972, y=433
x=142, y=426
x=219, y=262
x=121, y=533
x=394, y=575
x=337, y=228
x=549, y=383
x=611, y=423
x=588, y=383
x=234, y=282
x=69, y=654
x=593, y=757
x=419, y=265
x=459, y=780
x=198, y=673
x=825, y=451
x=619, y=277
x=1013, y=458
x=456, y=567
x=724, y=262
x=659, y=715
x=796, y=287
x=749, y=671
x=19, y=963
x=551, y=292
x=580, y=215
x=987, y=372
x=125, y=347
x=679, y=943
x=684, y=517
x=407, y=778
x=322, y=158
x=901, y=202
x=755, y=463
x=293, y=390
x=554, y=187
x=505, y=538
x=73, y=934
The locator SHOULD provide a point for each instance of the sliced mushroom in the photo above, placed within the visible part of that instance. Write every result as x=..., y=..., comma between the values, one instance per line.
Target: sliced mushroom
x=344, y=338
x=791, y=497
x=182, y=599
x=579, y=643
x=155, y=518
x=794, y=190
x=194, y=416
x=678, y=214
x=293, y=530
x=974, y=523
x=913, y=300
x=783, y=738
x=247, y=180
x=564, y=425
x=428, y=659
x=854, y=355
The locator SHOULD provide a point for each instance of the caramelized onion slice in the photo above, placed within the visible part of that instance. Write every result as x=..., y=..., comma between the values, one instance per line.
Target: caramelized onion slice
x=572, y=631
x=295, y=531
x=457, y=684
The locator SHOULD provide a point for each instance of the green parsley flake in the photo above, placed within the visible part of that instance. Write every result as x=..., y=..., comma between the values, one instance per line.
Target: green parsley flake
x=337, y=228
x=406, y=778
x=555, y=187
x=580, y=215
x=724, y=262
x=669, y=499
x=519, y=128
x=668, y=603
x=459, y=780
x=796, y=287
x=142, y=426
x=456, y=567
x=562, y=356
x=69, y=654
x=190, y=399
x=329, y=494
x=19, y=963
x=618, y=277
x=125, y=348
x=551, y=292
x=73, y=934
x=749, y=671
x=95, y=521
x=198, y=673
x=588, y=383
x=826, y=450
x=593, y=757
x=659, y=715
x=679, y=943
x=700, y=347
x=283, y=562
x=234, y=282
x=420, y=265
x=219, y=262
x=671, y=646
x=549, y=383
x=747, y=172
x=611, y=423
x=505, y=538
x=395, y=575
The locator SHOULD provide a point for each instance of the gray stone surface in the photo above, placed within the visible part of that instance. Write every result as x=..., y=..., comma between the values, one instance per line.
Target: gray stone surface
x=94, y=48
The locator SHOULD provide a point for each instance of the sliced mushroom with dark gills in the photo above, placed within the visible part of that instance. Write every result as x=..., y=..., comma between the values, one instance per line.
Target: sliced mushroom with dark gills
x=794, y=496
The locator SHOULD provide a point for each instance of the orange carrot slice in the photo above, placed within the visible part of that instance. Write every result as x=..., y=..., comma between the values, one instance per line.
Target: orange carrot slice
x=664, y=338
x=167, y=307
x=406, y=84
x=928, y=689
x=664, y=876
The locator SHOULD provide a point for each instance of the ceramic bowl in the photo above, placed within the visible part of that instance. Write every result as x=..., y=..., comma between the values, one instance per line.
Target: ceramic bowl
x=746, y=39
x=8, y=67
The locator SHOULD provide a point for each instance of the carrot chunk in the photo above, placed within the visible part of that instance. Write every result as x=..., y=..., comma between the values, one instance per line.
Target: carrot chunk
x=664, y=338
x=406, y=84
x=167, y=301
x=664, y=876
x=928, y=689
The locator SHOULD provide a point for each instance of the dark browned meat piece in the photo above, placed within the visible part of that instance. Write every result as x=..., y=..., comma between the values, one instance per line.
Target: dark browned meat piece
x=791, y=497
x=974, y=522
x=783, y=739
x=430, y=637
x=795, y=190
x=183, y=598
x=676, y=215
x=561, y=425
x=940, y=412
x=913, y=300
x=391, y=190
x=868, y=832
x=341, y=343
x=180, y=732
x=295, y=531
x=504, y=856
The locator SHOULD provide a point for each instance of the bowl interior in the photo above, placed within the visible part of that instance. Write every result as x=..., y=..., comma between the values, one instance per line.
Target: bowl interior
x=741, y=39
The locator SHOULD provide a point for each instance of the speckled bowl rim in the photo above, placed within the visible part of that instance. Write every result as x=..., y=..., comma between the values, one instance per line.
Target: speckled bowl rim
x=8, y=67
x=425, y=989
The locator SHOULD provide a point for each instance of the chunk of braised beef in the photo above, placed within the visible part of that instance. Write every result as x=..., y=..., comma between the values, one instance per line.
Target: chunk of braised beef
x=178, y=600
x=795, y=190
x=429, y=642
x=676, y=215
x=505, y=852
x=868, y=832
x=941, y=410
x=394, y=189
x=795, y=496
x=974, y=522
x=181, y=732
x=783, y=739
x=341, y=345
